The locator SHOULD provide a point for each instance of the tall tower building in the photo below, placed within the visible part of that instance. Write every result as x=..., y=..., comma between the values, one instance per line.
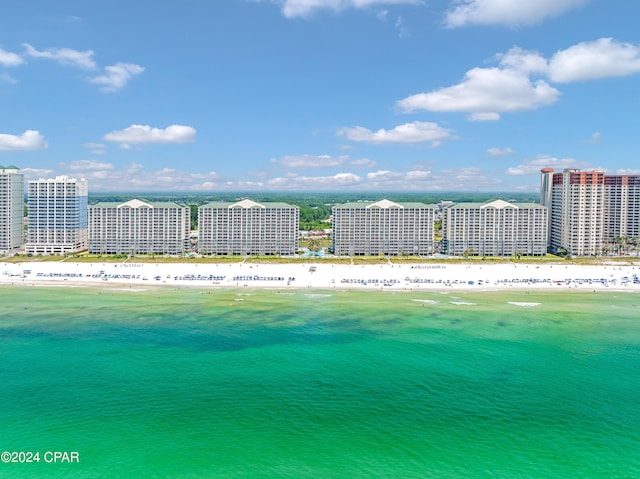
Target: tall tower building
x=577, y=212
x=11, y=208
x=57, y=216
x=546, y=186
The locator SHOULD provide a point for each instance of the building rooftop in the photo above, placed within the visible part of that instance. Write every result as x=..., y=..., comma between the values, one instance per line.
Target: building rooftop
x=499, y=204
x=246, y=203
x=135, y=203
x=384, y=204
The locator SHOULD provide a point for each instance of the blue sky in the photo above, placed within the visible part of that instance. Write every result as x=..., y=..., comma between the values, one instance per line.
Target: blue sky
x=318, y=95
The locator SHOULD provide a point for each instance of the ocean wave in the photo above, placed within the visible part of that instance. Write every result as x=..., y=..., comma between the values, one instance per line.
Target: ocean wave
x=463, y=303
x=525, y=305
x=426, y=301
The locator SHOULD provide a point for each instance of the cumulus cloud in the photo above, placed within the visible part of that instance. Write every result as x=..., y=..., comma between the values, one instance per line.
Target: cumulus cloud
x=117, y=76
x=296, y=182
x=498, y=152
x=506, y=12
x=87, y=165
x=29, y=140
x=416, y=132
x=8, y=59
x=520, y=83
x=144, y=134
x=64, y=56
x=311, y=161
x=601, y=58
x=486, y=92
x=305, y=8
x=533, y=166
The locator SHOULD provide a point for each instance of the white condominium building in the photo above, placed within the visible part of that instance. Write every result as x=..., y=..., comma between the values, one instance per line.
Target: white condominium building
x=383, y=227
x=139, y=227
x=495, y=228
x=248, y=227
x=57, y=216
x=11, y=208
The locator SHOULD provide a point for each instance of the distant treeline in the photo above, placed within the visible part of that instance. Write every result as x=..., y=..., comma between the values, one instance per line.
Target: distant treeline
x=315, y=208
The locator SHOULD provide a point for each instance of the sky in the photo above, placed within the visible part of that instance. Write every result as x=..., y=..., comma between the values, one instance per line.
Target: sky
x=318, y=95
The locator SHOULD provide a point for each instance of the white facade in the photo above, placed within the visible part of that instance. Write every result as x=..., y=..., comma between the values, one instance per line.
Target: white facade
x=57, y=216
x=383, y=227
x=11, y=208
x=496, y=228
x=248, y=227
x=138, y=227
x=622, y=207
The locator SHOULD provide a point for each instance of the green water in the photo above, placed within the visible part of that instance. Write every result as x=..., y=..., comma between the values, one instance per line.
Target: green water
x=225, y=384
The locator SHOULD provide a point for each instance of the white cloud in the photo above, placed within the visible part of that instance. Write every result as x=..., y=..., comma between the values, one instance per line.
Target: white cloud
x=117, y=76
x=8, y=59
x=6, y=78
x=64, y=56
x=601, y=58
x=87, y=165
x=311, y=161
x=487, y=92
x=29, y=140
x=497, y=152
x=506, y=12
x=364, y=163
x=595, y=138
x=624, y=171
x=416, y=132
x=533, y=166
x=305, y=8
x=144, y=134
x=483, y=117
x=96, y=148
x=295, y=182
x=36, y=173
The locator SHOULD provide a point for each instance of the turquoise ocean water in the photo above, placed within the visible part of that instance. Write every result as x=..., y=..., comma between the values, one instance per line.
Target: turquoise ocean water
x=313, y=384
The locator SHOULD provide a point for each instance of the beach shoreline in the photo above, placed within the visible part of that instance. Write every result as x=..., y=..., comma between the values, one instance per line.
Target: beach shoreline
x=318, y=275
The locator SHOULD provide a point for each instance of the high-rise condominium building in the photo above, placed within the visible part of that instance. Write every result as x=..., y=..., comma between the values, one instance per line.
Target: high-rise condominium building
x=383, y=227
x=248, y=227
x=139, y=227
x=57, y=216
x=495, y=228
x=11, y=208
x=590, y=209
x=622, y=207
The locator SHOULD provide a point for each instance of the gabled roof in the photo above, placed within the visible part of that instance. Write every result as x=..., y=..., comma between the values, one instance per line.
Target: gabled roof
x=384, y=204
x=498, y=204
x=246, y=203
x=135, y=204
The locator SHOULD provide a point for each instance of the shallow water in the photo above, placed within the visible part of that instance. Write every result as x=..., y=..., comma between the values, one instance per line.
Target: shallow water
x=320, y=384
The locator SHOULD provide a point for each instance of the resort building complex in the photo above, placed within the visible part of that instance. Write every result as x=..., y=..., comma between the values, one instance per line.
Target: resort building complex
x=11, y=208
x=383, y=227
x=589, y=209
x=139, y=227
x=248, y=227
x=57, y=216
x=495, y=228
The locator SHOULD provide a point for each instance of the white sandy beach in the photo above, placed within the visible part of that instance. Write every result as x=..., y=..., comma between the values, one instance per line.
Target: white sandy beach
x=319, y=275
